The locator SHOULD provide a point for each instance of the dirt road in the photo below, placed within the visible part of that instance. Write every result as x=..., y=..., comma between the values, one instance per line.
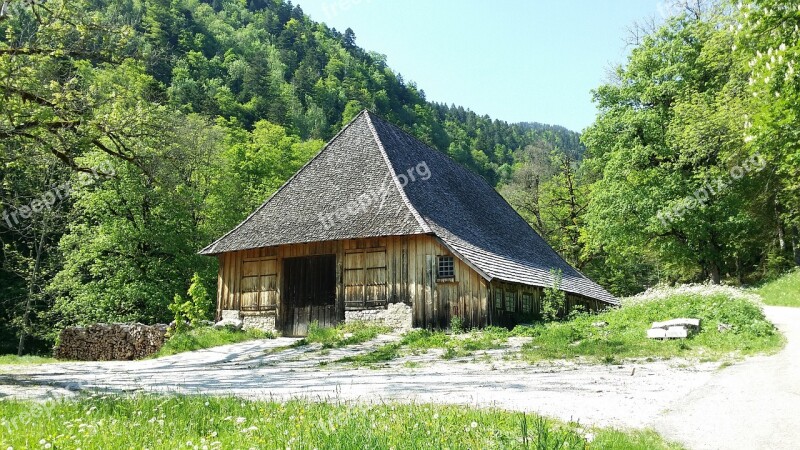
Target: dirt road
x=752, y=405
x=629, y=395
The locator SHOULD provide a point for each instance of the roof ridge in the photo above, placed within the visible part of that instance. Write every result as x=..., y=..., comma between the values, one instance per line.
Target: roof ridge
x=422, y=223
x=209, y=248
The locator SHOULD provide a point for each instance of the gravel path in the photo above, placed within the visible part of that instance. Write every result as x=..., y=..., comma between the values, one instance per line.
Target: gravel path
x=629, y=395
x=752, y=405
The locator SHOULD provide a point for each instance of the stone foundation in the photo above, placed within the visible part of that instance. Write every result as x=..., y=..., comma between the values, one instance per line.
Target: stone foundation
x=258, y=321
x=396, y=315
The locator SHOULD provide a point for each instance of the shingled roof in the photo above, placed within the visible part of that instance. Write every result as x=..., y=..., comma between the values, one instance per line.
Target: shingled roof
x=360, y=174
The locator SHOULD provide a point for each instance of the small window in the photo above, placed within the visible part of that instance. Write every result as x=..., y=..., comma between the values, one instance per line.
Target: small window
x=498, y=299
x=527, y=303
x=511, y=301
x=446, y=267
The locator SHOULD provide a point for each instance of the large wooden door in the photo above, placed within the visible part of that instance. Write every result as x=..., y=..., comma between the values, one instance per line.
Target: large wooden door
x=309, y=293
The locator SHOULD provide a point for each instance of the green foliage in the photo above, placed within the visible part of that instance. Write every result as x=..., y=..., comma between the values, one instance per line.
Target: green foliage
x=193, y=312
x=382, y=354
x=203, y=110
x=14, y=360
x=342, y=335
x=625, y=336
x=456, y=325
x=421, y=341
x=783, y=291
x=208, y=337
x=244, y=424
x=554, y=300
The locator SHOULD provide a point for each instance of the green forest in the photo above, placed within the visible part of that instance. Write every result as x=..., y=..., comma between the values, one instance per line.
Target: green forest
x=135, y=132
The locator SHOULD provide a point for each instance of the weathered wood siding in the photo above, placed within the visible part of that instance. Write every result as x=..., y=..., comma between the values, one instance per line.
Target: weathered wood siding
x=512, y=304
x=370, y=273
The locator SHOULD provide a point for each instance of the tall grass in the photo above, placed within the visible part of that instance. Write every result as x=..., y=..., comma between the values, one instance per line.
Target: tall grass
x=208, y=422
x=342, y=335
x=784, y=291
x=25, y=360
x=625, y=334
x=207, y=337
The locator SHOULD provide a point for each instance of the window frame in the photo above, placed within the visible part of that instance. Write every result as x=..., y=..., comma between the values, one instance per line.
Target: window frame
x=512, y=296
x=449, y=264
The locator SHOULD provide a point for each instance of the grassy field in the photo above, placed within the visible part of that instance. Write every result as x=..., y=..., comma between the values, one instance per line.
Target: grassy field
x=155, y=422
x=421, y=341
x=784, y=291
x=342, y=335
x=207, y=337
x=624, y=336
x=21, y=360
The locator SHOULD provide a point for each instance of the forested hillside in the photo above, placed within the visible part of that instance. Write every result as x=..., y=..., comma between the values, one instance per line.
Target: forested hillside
x=134, y=132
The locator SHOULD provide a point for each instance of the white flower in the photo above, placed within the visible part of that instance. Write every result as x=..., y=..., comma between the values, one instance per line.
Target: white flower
x=240, y=420
x=48, y=445
x=783, y=47
x=474, y=424
x=435, y=416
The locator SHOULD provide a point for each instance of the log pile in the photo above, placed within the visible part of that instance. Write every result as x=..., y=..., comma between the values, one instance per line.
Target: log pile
x=110, y=342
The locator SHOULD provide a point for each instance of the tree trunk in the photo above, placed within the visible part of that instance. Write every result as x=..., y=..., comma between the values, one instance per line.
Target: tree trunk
x=715, y=275
x=32, y=285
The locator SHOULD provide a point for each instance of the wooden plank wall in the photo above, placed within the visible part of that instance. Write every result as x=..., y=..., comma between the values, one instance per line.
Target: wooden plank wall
x=411, y=265
x=501, y=315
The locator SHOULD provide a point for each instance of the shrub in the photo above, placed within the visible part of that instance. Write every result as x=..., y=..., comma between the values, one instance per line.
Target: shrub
x=191, y=313
x=456, y=325
x=554, y=299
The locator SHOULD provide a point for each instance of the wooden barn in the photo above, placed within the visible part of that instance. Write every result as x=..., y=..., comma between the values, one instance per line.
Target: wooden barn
x=379, y=226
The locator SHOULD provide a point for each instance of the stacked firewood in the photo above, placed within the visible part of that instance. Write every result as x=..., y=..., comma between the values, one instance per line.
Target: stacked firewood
x=110, y=342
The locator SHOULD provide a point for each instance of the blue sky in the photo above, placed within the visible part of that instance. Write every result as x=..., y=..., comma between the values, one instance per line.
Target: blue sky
x=514, y=60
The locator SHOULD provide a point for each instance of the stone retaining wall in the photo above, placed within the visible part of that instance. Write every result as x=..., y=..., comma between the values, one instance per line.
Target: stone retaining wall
x=396, y=315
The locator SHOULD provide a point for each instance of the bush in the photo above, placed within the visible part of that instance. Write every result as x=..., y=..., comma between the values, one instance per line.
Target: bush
x=193, y=312
x=554, y=299
x=456, y=325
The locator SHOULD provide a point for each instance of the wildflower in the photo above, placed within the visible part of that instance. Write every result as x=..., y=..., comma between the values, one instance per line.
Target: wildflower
x=474, y=425
x=240, y=420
